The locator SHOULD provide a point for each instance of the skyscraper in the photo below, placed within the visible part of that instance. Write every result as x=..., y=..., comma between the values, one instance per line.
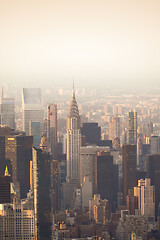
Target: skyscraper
x=88, y=164
x=92, y=132
x=43, y=208
x=52, y=129
x=153, y=172
x=107, y=177
x=146, y=197
x=73, y=141
x=114, y=128
x=132, y=128
x=155, y=144
x=32, y=108
x=35, y=131
x=18, y=153
x=129, y=156
x=5, y=191
x=2, y=155
x=7, y=112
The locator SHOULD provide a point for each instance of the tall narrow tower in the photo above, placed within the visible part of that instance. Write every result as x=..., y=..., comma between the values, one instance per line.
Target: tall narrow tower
x=52, y=129
x=73, y=142
x=132, y=127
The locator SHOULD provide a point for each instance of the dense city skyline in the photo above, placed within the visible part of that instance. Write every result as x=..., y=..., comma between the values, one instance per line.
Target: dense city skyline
x=81, y=163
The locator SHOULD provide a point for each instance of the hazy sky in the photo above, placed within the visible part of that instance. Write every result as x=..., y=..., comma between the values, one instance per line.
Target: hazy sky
x=105, y=42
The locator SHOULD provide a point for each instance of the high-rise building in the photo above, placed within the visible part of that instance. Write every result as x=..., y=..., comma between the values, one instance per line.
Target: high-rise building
x=146, y=197
x=129, y=157
x=42, y=189
x=88, y=164
x=99, y=210
x=114, y=128
x=52, y=129
x=73, y=141
x=7, y=116
x=149, y=129
x=5, y=188
x=142, y=151
x=153, y=172
x=32, y=108
x=16, y=222
x=86, y=193
x=55, y=184
x=131, y=202
x=35, y=131
x=132, y=128
x=2, y=155
x=18, y=154
x=107, y=178
x=92, y=132
x=155, y=144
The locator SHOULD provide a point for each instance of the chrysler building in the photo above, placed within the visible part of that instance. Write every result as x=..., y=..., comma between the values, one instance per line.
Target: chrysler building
x=73, y=141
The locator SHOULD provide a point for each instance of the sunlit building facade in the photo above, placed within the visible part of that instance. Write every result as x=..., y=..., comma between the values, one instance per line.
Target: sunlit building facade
x=16, y=222
x=146, y=197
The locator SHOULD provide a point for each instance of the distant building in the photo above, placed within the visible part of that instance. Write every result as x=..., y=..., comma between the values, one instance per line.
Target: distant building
x=18, y=154
x=155, y=144
x=62, y=232
x=99, y=210
x=92, y=132
x=73, y=142
x=55, y=184
x=67, y=191
x=146, y=198
x=104, y=143
x=86, y=193
x=88, y=164
x=132, y=223
x=153, y=172
x=129, y=157
x=114, y=128
x=52, y=129
x=132, y=128
x=16, y=222
x=137, y=224
x=42, y=189
x=32, y=108
x=116, y=143
x=131, y=202
x=7, y=116
x=5, y=188
x=149, y=129
x=2, y=155
x=35, y=131
x=142, y=151
x=107, y=178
